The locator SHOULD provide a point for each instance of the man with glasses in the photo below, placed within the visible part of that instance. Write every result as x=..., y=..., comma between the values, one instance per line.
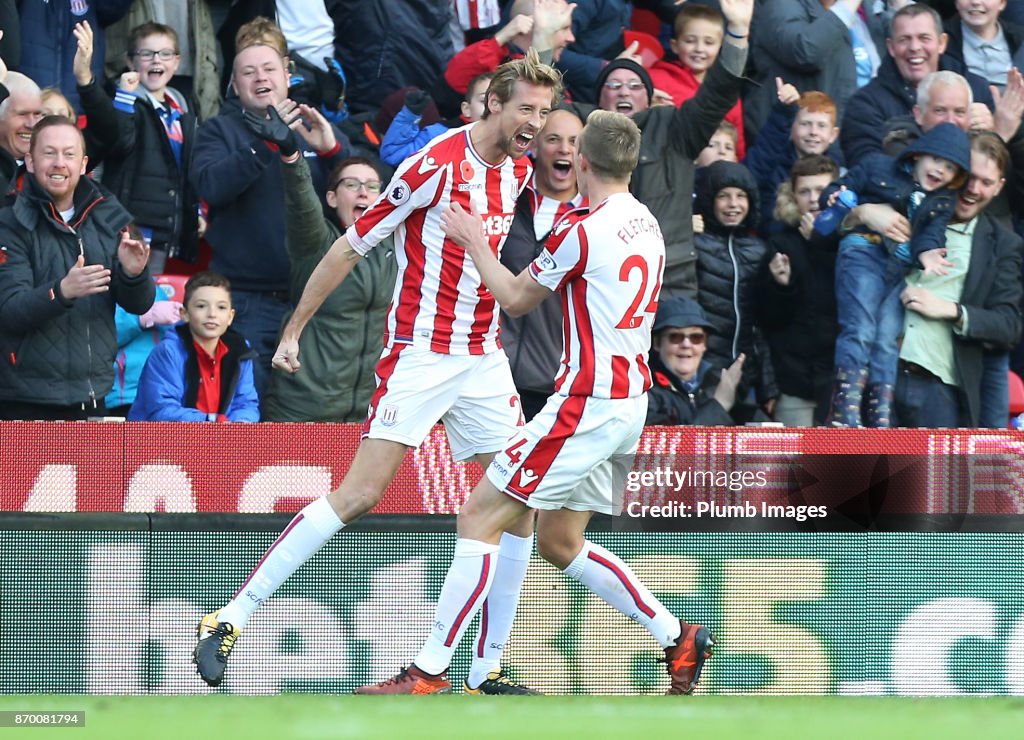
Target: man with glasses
x=686, y=388
x=237, y=169
x=144, y=138
x=343, y=341
x=673, y=137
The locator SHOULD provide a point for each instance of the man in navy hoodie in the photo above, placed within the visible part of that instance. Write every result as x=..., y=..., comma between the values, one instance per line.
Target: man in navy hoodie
x=237, y=171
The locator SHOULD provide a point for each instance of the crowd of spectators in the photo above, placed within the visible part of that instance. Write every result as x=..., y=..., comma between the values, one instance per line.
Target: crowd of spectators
x=246, y=136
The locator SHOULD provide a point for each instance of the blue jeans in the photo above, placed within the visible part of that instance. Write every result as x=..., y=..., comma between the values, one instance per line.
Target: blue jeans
x=926, y=403
x=995, y=390
x=868, y=286
x=258, y=318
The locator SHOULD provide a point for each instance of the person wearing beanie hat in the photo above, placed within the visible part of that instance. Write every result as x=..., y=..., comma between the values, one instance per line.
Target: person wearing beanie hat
x=624, y=87
x=686, y=388
x=922, y=184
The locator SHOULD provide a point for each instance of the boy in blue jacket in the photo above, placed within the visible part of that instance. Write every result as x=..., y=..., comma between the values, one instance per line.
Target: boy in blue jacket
x=202, y=370
x=870, y=270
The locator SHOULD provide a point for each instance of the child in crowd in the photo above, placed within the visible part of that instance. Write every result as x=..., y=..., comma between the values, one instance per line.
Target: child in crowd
x=796, y=304
x=729, y=255
x=404, y=136
x=721, y=147
x=136, y=338
x=870, y=270
x=799, y=126
x=202, y=370
x=144, y=139
x=55, y=104
x=696, y=41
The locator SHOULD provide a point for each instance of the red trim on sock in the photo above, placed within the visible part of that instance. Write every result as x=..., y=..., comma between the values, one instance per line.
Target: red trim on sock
x=468, y=607
x=266, y=555
x=624, y=580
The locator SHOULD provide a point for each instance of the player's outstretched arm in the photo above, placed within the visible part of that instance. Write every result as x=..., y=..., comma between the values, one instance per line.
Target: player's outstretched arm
x=516, y=294
x=328, y=275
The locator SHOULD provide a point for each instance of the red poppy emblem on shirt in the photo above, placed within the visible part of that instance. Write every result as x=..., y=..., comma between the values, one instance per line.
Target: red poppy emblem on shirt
x=466, y=170
x=3, y=255
x=661, y=379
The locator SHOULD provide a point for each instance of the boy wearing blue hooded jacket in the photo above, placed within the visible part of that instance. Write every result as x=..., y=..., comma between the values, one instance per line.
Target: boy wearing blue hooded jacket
x=921, y=184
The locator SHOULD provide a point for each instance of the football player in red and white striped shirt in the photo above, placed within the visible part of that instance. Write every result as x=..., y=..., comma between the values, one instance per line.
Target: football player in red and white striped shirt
x=608, y=267
x=442, y=360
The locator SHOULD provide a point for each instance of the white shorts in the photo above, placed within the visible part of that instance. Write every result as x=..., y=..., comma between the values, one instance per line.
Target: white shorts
x=472, y=395
x=570, y=455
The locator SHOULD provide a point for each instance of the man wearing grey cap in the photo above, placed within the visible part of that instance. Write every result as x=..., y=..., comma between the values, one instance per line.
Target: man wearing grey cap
x=673, y=137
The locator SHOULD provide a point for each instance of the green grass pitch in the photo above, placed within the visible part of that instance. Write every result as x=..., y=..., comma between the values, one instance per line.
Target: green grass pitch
x=455, y=717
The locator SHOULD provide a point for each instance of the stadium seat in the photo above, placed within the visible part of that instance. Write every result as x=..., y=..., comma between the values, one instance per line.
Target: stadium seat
x=1016, y=395
x=175, y=286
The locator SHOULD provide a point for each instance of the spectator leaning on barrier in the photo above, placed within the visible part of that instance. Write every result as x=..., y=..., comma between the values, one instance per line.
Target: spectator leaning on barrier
x=66, y=259
x=202, y=370
x=343, y=340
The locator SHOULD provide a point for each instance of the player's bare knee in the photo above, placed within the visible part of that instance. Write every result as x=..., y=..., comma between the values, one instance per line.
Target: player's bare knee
x=555, y=549
x=353, y=501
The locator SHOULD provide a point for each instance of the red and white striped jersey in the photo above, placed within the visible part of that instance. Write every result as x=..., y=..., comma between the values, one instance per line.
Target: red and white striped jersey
x=439, y=302
x=476, y=13
x=608, y=267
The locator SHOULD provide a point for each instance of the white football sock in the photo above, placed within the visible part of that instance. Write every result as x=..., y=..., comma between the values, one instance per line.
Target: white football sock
x=606, y=575
x=303, y=536
x=465, y=589
x=499, y=610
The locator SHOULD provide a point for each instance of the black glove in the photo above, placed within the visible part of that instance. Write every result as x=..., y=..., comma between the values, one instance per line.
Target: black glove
x=417, y=101
x=274, y=130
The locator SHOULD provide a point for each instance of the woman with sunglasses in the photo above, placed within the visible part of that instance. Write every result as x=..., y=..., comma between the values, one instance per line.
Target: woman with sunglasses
x=343, y=341
x=686, y=388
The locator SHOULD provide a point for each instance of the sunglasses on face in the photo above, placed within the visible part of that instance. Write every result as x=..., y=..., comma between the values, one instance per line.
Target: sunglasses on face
x=677, y=337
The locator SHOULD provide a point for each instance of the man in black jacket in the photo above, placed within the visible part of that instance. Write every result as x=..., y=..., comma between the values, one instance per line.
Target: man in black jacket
x=65, y=260
x=533, y=342
x=673, y=137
